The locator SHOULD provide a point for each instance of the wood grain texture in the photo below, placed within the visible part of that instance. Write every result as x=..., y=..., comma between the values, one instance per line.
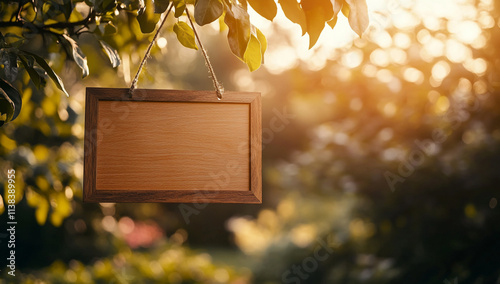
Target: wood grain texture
x=172, y=146
x=89, y=161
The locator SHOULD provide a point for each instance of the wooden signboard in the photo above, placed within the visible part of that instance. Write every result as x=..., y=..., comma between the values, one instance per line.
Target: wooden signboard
x=172, y=146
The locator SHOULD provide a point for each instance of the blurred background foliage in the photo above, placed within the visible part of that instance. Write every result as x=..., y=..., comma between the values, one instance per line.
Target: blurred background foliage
x=359, y=169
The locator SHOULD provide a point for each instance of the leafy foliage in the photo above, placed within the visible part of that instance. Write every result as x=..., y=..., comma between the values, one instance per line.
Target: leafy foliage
x=10, y=102
x=266, y=8
x=165, y=263
x=207, y=11
x=238, y=21
x=65, y=22
x=294, y=12
x=365, y=115
x=356, y=117
x=185, y=35
x=357, y=15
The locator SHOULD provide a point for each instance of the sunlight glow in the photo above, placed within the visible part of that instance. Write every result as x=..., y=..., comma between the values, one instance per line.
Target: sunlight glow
x=389, y=109
x=433, y=96
x=398, y=56
x=426, y=30
x=379, y=57
x=402, y=40
x=384, y=75
x=369, y=70
x=434, y=47
x=161, y=42
x=440, y=70
x=442, y=104
x=279, y=60
x=456, y=51
x=466, y=31
x=413, y=75
x=352, y=58
x=477, y=66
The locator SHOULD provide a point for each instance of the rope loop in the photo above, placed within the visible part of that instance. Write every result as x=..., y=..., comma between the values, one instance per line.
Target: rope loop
x=219, y=89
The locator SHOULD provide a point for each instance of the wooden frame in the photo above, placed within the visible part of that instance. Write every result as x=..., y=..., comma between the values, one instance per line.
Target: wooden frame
x=186, y=146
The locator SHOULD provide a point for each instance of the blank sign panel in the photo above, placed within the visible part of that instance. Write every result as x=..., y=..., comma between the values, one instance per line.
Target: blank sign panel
x=172, y=146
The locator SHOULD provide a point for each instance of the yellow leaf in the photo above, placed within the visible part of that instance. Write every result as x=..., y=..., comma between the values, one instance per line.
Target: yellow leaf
x=317, y=12
x=7, y=143
x=18, y=186
x=42, y=183
x=265, y=8
x=263, y=42
x=48, y=106
x=56, y=219
x=2, y=207
x=63, y=205
x=253, y=55
x=32, y=197
x=222, y=25
x=41, y=153
x=346, y=9
x=332, y=22
x=42, y=211
x=294, y=13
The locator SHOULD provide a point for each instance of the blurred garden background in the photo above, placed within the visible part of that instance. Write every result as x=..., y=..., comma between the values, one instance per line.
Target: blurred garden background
x=386, y=172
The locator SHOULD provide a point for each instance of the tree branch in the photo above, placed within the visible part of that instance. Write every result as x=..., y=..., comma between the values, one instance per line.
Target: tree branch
x=61, y=25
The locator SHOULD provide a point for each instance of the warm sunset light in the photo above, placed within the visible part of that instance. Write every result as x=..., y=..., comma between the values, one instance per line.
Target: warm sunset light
x=250, y=141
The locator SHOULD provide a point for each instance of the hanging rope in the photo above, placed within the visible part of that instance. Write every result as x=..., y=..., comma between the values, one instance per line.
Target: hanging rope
x=148, y=51
x=217, y=86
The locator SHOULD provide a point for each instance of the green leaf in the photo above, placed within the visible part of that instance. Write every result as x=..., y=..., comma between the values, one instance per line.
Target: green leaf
x=207, y=11
x=185, y=35
x=42, y=63
x=294, y=13
x=238, y=36
x=27, y=62
x=318, y=12
x=253, y=54
x=147, y=18
x=10, y=101
x=358, y=16
x=180, y=6
x=112, y=53
x=266, y=8
x=78, y=56
x=160, y=6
